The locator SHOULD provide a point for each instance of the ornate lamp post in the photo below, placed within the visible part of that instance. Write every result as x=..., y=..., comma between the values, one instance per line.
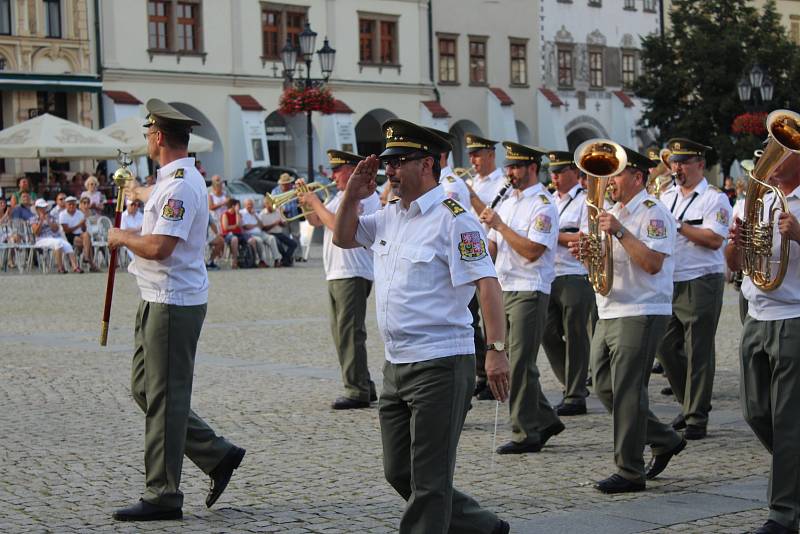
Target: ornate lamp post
x=755, y=79
x=289, y=57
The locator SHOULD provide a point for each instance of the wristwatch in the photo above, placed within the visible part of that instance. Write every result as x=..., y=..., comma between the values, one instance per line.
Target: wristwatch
x=498, y=346
x=619, y=233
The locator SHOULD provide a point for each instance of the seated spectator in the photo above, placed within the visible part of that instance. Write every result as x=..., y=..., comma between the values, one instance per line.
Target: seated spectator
x=23, y=210
x=257, y=240
x=272, y=224
x=75, y=230
x=5, y=211
x=48, y=235
x=290, y=209
x=23, y=186
x=91, y=218
x=214, y=240
x=232, y=229
x=97, y=200
x=132, y=219
x=6, y=234
x=59, y=206
x=217, y=199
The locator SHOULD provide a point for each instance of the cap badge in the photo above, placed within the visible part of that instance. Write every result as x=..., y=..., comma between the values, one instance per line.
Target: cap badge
x=389, y=133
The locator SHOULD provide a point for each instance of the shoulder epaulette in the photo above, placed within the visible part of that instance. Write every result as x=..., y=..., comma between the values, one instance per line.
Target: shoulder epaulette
x=545, y=199
x=454, y=207
x=649, y=203
x=451, y=179
x=178, y=173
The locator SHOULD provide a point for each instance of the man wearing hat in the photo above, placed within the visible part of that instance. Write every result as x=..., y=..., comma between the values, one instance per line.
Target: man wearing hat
x=566, y=332
x=430, y=256
x=349, y=273
x=702, y=213
x=454, y=186
x=290, y=209
x=170, y=269
x=522, y=241
x=48, y=235
x=73, y=221
x=632, y=319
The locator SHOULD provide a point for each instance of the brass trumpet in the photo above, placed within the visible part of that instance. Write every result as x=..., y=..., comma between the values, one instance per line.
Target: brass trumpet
x=783, y=127
x=656, y=183
x=599, y=159
x=277, y=202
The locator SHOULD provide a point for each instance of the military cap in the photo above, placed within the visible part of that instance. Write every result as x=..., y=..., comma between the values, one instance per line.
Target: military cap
x=476, y=142
x=637, y=160
x=517, y=154
x=404, y=137
x=682, y=149
x=164, y=116
x=447, y=136
x=560, y=160
x=337, y=158
x=654, y=153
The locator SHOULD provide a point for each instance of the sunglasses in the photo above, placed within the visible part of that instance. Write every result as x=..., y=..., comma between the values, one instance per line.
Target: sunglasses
x=398, y=161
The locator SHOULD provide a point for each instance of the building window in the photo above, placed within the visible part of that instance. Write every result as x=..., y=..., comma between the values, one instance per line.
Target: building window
x=630, y=5
x=596, y=69
x=278, y=23
x=448, y=72
x=519, y=63
x=649, y=6
x=628, y=69
x=158, y=24
x=794, y=28
x=377, y=39
x=565, y=67
x=174, y=26
x=5, y=17
x=188, y=27
x=52, y=18
x=477, y=61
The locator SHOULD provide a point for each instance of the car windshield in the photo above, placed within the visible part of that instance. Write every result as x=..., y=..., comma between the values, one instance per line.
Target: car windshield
x=240, y=188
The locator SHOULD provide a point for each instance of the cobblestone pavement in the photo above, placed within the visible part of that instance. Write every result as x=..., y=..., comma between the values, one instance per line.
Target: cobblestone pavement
x=266, y=373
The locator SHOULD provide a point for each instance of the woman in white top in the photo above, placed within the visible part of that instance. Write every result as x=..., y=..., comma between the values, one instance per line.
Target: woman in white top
x=96, y=198
x=217, y=199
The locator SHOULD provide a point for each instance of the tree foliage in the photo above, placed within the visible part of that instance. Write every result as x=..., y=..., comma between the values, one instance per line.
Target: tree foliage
x=691, y=73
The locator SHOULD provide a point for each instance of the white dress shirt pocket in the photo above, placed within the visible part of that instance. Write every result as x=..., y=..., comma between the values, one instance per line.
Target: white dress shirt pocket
x=415, y=265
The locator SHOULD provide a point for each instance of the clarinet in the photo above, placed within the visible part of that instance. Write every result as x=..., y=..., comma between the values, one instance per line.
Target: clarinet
x=501, y=193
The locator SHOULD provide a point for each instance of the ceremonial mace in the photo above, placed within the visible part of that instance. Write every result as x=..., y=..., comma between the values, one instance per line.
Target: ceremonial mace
x=121, y=175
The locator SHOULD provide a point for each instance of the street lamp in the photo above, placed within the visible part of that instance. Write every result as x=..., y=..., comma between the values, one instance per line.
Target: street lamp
x=289, y=57
x=758, y=80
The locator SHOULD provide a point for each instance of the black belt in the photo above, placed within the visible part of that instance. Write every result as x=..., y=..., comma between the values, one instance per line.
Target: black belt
x=694, y=222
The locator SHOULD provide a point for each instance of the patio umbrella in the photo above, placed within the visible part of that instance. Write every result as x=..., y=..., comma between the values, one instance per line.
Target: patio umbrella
x=129, y=131
x=51, y=137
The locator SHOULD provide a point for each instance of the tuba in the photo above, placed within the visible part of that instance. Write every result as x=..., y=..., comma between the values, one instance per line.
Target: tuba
x=655, y=185
x=599, y=159
x=783, y=128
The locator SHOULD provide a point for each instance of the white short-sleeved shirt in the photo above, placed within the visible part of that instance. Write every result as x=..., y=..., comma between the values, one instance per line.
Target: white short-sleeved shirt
x=454, y=187
x=427, y=260
x=784, y=301
x=343, y=263
x=573, y=216
x=531, y=213
x=178, y=206
x=131, y=222
x=72, y=220
x=704, y=207
x=635, y=292
x=249, y=218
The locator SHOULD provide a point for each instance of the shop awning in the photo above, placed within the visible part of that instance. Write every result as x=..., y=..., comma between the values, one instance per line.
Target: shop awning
x=57, y=83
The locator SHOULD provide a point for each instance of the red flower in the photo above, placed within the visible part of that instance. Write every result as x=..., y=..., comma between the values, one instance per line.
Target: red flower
x=750, y=123
x=295, y=100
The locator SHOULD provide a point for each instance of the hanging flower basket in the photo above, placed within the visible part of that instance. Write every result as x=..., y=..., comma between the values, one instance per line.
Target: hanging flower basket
x=294, y=100
x=750, y=124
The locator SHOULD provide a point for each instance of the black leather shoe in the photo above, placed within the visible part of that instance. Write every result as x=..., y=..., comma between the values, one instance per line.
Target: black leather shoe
x=346, y=403
x=501, y=528
x=618, y=484
x=486, y=394
x=773, y=527
x=145, y=511
x=513, y=447
x=679, y=423
x=571, y=409
x=659, y=461
x=479, y=386
x=222, y=474
x=552, y=430
x=695, y=432
x=667, y=391
x=657, y=369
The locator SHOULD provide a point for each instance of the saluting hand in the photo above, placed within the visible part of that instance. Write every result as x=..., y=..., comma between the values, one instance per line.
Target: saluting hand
x=362, y=182
x=498, y=375
x=789, y=227
x=491, y=219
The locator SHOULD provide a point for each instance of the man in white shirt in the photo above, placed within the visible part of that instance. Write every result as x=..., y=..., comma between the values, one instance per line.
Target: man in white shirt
x=522, y=241
x=429, y=258
x=131, y=220
x=454, y=186
x=272, y=224
x=770, y=353
x=169, y=266
x=259, y=241
x=632, y=320
x=349, y=275
x=687, y=351
x=566, y=332
x=73, y=222
x=60, y=205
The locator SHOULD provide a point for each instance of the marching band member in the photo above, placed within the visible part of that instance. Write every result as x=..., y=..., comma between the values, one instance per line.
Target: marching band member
x=454, y=186
x=349, y=274
x=566, y=332
x=702, y=213
x=522, y=241
x=770, y=357
x=632, y=318
x=429, y=258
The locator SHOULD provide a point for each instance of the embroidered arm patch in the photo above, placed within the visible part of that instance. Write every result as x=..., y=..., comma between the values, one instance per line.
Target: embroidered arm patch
x=542, y=223
x=722, y=217
x=472, y=247
x=173, y=210
x=657, y=229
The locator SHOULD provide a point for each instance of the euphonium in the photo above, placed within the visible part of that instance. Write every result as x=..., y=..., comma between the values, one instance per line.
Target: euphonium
x=656, y=183
x=783, y=127
x=280, y=200
x=599, y=159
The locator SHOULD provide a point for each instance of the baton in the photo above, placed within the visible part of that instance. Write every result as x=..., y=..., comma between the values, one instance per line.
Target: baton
x=121, y=175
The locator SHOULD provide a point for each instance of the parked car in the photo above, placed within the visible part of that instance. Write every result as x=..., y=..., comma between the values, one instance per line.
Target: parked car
x=265, y=179
x=241, y=191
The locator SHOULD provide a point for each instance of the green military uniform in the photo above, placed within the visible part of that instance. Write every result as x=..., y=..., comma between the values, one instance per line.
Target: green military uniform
x=174, y=297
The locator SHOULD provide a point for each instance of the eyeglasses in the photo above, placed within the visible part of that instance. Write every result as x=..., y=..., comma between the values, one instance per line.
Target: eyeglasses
x=398, y=162
x=148, y=134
